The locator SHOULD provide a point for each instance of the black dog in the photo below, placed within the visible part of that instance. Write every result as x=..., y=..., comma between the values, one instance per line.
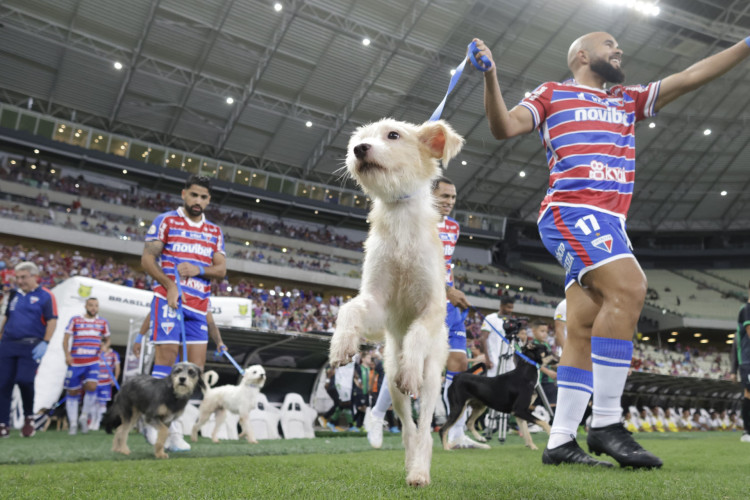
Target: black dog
x=507, y=393
x=160, y=401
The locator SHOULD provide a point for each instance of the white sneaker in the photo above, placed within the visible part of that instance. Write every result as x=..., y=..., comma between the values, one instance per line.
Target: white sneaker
x=73, y=430
x=149, y=433
x=745, y=438
x=465, y=442
x=374, y=427
x=83, y=423
x=176, y=442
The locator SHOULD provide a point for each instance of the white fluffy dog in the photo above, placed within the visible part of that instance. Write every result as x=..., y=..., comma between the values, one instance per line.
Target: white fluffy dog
x=402, y=293
x=240, y=399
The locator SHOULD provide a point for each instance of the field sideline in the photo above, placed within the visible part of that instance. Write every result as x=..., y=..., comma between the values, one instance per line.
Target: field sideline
x=54, y=465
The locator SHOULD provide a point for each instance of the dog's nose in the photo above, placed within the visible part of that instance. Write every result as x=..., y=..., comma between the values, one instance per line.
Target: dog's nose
x=182, y=380
x=360, y=150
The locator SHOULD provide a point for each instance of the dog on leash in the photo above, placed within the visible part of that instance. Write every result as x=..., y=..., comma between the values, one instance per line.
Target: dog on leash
x=240, y=399
x=402, y=293
x=510, y=392
x=159, y=401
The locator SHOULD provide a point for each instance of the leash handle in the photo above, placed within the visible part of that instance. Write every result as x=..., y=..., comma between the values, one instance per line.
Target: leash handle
x=485, y=65
x=231, y=359
x=518, y=353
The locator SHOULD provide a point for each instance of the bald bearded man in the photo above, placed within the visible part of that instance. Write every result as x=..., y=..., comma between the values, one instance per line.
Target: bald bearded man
x=588, y=134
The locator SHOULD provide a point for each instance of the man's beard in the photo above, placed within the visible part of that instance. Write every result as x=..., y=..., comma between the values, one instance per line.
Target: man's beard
x=195, y=210
x=605, y=69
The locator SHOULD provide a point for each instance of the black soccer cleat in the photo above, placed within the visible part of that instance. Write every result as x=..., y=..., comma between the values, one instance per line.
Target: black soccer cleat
x=571, y=453
x=616, y=441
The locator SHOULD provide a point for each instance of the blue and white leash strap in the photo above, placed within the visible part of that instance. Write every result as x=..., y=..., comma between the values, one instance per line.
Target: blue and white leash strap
x=485, y=65
x=109, y=371
x=518, y=353
x=180, y=315
x=225, y=352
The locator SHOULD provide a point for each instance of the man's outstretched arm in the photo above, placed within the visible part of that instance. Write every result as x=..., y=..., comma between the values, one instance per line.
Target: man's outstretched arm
x=701, y=73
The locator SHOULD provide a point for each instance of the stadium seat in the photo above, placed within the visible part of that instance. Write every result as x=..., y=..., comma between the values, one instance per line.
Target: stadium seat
x=265, y=419
x=296, y=417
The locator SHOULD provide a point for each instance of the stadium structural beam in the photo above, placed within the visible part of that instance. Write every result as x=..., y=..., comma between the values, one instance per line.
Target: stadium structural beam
x=53, y=87
x=131, y=65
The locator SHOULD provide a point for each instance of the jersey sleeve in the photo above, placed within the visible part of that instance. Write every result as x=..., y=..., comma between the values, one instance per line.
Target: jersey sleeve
x=538, y=103
x=645, y=98
x=158, y=229
x=49, y=309
x=220, y=243
x=69, y=330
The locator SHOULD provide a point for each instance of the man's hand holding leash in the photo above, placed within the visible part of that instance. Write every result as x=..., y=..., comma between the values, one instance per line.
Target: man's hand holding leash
x=457, y=297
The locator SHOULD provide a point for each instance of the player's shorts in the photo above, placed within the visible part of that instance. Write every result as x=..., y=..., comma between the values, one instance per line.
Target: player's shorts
x=582, y=239
x=454, y=319
x=104, y=392
x=76, y=376
x=165, y=327
x=745, y=375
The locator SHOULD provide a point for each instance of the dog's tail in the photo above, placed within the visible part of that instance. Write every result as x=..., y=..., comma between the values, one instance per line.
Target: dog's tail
x=210, y=378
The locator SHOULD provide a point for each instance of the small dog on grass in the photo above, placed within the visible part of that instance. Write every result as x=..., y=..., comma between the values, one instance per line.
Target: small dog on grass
x=240, y=399
x=402, y=293
x=160, y=401
x=510, y=392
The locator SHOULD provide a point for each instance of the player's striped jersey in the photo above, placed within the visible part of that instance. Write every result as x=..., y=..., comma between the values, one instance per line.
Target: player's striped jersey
x=589, y=138
x=87, y=335
x=448, y=230
x=108, y=359
x=187, y=241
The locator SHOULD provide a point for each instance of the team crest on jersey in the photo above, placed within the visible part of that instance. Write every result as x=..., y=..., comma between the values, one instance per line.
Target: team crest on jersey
x=603, y=243
x=84, y=291
x=34, y=300
x=151, y=230
x=167, y=327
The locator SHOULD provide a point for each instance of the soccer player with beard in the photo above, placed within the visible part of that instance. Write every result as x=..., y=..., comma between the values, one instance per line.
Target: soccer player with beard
x=182, y=244
x=588, y=134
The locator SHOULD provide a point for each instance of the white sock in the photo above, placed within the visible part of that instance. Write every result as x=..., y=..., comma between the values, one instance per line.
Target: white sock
x=574, y=387
x=457, y=431
x=611, y=358
x=383, y=402
x=89, y=405
x=71, y=407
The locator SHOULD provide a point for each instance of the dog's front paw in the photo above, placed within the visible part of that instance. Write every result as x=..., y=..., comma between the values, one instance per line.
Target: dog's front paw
x=214, y=440
x=161, y=454
x=344, y=345
x=418, y=479
x=124, y=450
x=532, y=446
x=408, y=380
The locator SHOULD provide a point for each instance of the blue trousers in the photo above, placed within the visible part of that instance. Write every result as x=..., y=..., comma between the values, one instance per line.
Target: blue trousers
x=17, y=367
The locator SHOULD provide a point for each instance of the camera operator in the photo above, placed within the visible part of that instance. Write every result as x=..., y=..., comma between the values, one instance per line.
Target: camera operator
x=494, y=347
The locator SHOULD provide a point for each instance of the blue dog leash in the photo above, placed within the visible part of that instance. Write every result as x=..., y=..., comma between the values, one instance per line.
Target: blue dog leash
x=225, y=352
x=109, y=370
x=180, y=316
x=518, y=353
x=485, y=65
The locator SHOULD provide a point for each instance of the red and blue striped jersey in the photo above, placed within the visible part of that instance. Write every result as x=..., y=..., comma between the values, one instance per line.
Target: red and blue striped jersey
x=448, y=230
x=108, y=359
x=187, y=241
x=589, y=138
x=87, y=334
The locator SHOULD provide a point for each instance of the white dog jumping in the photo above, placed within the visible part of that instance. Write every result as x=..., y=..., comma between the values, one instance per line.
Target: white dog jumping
x=240, y=399
x=402, y=293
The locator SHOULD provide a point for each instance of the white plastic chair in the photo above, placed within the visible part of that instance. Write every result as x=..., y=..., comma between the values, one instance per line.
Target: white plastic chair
x=265, y=419
x=296, y=417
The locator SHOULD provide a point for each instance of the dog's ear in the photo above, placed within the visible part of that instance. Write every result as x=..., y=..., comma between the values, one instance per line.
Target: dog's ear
x=442, y=141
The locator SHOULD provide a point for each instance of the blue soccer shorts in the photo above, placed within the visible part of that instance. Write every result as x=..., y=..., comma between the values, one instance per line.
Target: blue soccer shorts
x=165, y=327
x=76, y=376
x=582, y=239
x=104, y=392
x=454, y=319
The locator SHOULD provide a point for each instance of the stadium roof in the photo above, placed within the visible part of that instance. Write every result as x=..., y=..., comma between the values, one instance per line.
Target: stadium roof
x=180, y=60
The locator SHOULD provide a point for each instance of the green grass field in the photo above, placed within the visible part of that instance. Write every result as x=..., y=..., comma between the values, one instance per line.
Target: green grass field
x=54, y=465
